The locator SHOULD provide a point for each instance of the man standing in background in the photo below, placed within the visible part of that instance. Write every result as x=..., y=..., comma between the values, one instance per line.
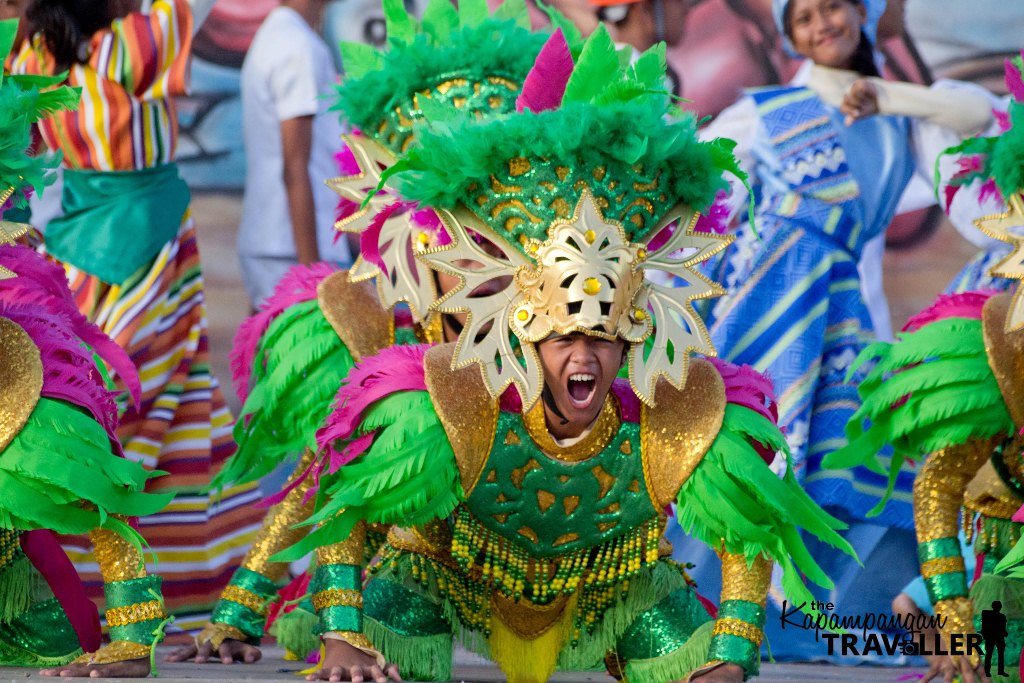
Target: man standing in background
x=290, y=143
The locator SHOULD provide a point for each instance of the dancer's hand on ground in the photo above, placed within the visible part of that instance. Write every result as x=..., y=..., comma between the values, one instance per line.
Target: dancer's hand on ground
x=342, y=662
x=727, y=673
x=948, y=670
x=860, y=100
x=133, y=668
x=229, y=652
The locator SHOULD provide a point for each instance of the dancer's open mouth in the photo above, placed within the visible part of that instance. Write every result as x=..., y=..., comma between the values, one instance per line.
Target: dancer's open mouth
x=582, y=386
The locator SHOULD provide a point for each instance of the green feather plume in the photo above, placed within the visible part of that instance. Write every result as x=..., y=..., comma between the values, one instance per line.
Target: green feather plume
x=930, y=390
x=734, y=497
x=407, y=476
x=299, y=365
x=595, y=69
x=24, y=100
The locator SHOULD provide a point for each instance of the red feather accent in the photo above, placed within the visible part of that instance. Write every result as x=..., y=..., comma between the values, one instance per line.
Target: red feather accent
x=544, y=86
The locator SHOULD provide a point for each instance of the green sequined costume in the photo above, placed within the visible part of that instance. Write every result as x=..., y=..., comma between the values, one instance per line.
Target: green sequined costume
x=522, y=546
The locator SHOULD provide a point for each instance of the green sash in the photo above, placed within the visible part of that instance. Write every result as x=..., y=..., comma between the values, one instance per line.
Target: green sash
x=116, y=222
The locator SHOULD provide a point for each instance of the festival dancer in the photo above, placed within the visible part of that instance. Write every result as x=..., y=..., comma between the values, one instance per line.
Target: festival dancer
x=291, y=357
x=62, y=469
x=127, y=241
x=949, y=391
x=526, y=484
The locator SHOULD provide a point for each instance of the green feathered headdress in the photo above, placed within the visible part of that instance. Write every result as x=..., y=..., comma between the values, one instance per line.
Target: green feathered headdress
x=466, y=57
x=24, y=100
x=594, y=181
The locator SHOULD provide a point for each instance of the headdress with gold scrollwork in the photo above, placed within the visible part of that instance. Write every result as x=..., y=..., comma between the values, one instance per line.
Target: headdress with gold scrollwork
x=466, y=58
x=593, y=184
x=999, y=160
x=23, y=101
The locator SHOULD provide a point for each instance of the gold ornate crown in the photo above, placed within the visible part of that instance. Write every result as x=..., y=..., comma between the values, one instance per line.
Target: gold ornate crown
x=587, y=277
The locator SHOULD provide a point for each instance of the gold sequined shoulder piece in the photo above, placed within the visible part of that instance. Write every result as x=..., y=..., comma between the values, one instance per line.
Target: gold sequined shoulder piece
x=1005, y=354
x=679, y=430
x=987, y=494
x=466, y=409
x=355, y=313
x=21, y=379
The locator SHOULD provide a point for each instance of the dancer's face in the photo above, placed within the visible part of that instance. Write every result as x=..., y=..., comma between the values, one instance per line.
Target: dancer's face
x=826, y=31
x=579, y=371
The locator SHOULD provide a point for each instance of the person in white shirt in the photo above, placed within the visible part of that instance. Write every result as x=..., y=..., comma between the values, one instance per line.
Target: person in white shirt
x=290, y=143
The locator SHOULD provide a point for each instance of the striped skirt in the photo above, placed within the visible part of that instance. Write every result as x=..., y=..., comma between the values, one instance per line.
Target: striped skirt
x=182, y=427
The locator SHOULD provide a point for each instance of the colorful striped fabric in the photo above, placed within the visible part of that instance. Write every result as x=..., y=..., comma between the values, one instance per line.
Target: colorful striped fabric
x=126, y=120
x=183, y=427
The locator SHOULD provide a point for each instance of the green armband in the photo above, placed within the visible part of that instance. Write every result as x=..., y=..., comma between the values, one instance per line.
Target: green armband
x=338, y=597
x=942, y=567
x=245, y=603
x=135, y=610
x=737, y=635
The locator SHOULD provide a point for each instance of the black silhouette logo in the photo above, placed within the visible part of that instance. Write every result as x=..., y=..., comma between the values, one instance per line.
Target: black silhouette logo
x=993, y=630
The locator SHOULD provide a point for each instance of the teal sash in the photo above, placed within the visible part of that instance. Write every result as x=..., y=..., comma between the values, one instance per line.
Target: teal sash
x=116, y=222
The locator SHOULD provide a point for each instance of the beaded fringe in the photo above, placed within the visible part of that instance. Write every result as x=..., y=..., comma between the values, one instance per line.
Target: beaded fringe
x=469, y=613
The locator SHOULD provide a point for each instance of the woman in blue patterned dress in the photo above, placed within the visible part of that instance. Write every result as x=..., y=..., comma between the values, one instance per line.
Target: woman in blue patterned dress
x=828, y=156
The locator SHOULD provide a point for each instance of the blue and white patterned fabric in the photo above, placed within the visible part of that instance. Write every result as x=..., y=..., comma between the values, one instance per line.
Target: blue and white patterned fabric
x=794, y=307
x=975, y=276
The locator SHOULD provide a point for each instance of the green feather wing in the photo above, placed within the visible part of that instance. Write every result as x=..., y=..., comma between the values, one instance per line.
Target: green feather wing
x=62, y=458
x=299, y=365
x=930, y=390
x=734, y=497
x=407, y=476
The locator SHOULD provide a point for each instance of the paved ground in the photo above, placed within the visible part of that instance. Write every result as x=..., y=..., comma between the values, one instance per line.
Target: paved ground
x=274, y=669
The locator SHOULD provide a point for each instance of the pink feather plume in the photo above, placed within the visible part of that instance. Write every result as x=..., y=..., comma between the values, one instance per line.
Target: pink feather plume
x=965, y=305
x=369, y=241
x=745, y=386
x=298, y=285
x=544, y=86
x=42, y=283
x=69, y=373
x=716, y=219
x=1014, y=80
